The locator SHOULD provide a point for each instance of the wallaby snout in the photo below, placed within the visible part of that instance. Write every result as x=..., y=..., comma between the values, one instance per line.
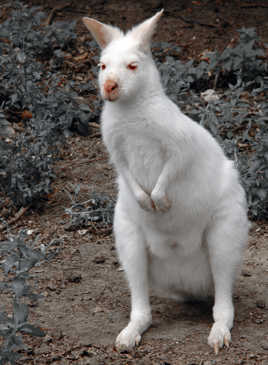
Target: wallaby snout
x=111, y=90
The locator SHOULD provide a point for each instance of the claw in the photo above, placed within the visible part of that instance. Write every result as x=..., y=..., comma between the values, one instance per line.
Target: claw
x=226, y=342
x=137, y=340
x=216, y=348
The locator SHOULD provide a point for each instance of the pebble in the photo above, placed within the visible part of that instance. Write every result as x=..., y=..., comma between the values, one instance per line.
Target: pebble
x=82, y=232
x=264, y=345
x=210, y=95
x=74, y=277
x=260, y=303
x=6, y=129
x=99, y=259
x=246, y=273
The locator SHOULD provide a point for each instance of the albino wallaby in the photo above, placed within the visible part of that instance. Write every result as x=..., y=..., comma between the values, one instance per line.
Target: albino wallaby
x=180, y=220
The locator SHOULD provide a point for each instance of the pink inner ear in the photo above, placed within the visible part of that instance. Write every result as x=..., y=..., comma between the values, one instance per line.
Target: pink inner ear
x=102, y=40
x=96, y=28
x=100, y=35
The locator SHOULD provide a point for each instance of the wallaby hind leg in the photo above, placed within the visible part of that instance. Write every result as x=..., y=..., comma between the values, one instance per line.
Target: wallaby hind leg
x=132, y=253
x=226, y=239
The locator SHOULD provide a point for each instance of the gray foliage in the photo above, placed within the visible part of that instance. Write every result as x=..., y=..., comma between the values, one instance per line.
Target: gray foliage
x=17, y=259
x=99, y=209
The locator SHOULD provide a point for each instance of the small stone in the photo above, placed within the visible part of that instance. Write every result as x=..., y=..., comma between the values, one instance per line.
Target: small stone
x=210, y=96
x=264, y=345
x=97, y=309
x=260, y=303
x=99, y=259
x=74, y=277
x=48, y=339
x=43, y=349
x=82, y=232
x=246, y=273
x=6, y=129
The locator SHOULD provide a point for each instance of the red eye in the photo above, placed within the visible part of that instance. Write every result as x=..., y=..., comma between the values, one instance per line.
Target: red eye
x=102, y=66
x=132, y=66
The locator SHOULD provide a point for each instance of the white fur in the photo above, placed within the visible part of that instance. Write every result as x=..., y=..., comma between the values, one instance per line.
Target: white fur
x=181, y=219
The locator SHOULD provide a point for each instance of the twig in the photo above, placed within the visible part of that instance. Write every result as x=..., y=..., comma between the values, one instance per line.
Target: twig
x=20, y=213
x=216, y=80
x=91, y=160
x=95, y=135
x=254, y=6
x=94, y=125
x=190, y=21
x=49, y=19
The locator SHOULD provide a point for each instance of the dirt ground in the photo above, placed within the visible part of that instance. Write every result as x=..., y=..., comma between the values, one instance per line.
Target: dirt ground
x=86, y=299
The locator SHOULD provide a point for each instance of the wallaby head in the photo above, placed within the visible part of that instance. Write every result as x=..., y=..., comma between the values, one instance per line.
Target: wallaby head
x=126, y=67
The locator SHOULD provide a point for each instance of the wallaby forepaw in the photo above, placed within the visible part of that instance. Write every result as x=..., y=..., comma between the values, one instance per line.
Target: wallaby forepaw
x=161, y=202
x=145, y=202
x=219, y=336
x=127, y=339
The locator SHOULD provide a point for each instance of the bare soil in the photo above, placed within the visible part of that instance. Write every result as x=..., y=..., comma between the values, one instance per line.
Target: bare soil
x=86, y=299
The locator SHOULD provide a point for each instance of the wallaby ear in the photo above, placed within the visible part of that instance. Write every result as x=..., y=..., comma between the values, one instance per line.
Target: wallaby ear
x=143, y=32
x=102, y=33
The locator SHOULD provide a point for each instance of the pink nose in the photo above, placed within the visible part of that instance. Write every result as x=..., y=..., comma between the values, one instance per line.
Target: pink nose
x=111, y=89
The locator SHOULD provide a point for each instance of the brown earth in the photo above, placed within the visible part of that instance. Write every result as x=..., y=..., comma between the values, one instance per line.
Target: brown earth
x=86, y=299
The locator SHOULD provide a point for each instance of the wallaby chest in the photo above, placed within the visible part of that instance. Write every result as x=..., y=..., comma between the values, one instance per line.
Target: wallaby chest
x=138, y=145
x=145, y=158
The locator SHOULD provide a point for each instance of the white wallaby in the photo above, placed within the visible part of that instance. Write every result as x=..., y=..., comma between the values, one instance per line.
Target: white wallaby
x=180, y=220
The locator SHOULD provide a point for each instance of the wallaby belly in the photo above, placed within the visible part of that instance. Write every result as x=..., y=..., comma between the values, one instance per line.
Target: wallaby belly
x=181, y=277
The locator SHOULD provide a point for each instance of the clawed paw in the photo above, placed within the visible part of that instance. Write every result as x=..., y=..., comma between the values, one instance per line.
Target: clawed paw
x=145, y=202
x=127, y=339
x=219, y=336
x=161, y=202
x=155, y=203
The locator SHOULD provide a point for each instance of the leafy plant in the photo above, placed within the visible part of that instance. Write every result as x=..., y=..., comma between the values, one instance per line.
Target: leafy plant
x=33, y=95
x=17, y=260
x=98, y=209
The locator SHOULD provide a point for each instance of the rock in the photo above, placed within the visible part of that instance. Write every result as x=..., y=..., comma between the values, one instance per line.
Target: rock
x=73, y=277
x=246, y=273
x=210, y=95
x=260, y=303
x=5, y=127
x=99, y=259
x=43, y=349
x=264, y=345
